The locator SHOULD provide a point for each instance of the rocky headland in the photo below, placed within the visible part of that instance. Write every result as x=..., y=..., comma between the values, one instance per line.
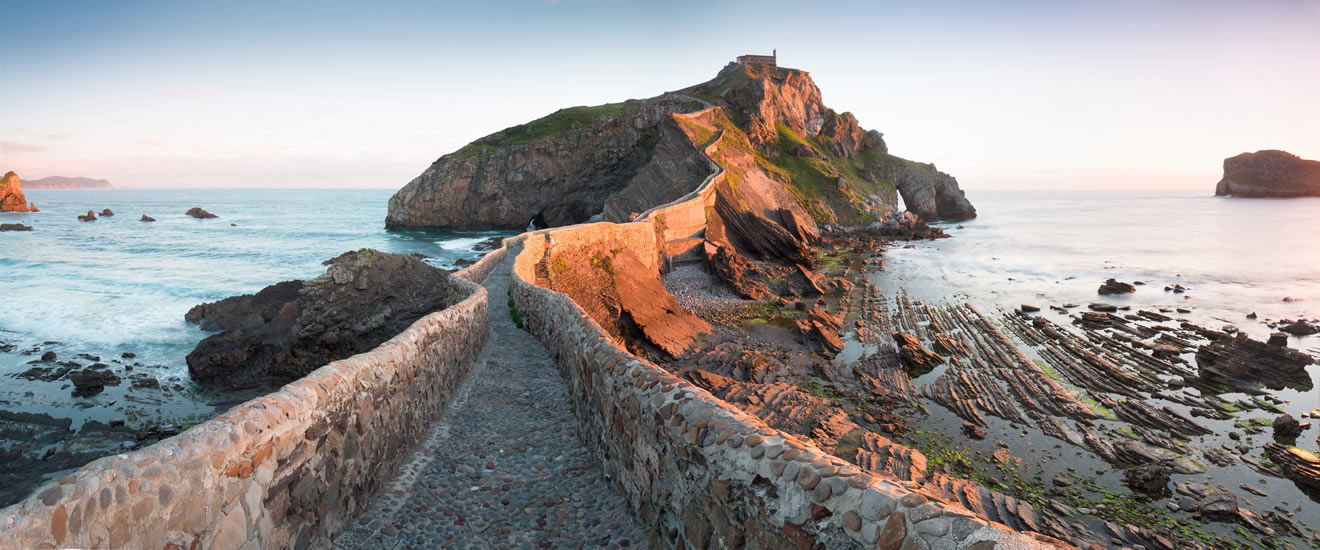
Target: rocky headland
x=11, y=195
x=612, y=162
x=290, y=328
x=66, y=182
x=1269, y=173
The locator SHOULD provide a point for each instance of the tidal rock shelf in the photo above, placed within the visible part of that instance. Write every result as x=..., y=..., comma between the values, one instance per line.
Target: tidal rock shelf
x=1139, y=391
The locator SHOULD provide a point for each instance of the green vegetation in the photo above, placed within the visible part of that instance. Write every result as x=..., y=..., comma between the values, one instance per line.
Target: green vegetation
x=603, y=263
x=513, y=312
x=565, y=119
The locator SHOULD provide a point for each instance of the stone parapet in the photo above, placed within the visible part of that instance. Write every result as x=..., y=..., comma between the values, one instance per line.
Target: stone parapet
x=285, y=470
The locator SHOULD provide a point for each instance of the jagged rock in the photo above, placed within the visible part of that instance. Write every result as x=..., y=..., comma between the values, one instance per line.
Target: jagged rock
x=1094, y=319
x=1112, y=286
x=11, y=195
x=1300, y=465
x=1029, y=308
x=822, y=328
x=1151, y=478
x=199, y=213
x=291, y=328
x=905, y=226
x=14, y=227
x=913, y=355
x=1278, y=339
x=781, y=405
x=1301, y=327
x=1105, y=308
x=1241, y=361
x=1287, y=427
x=91, y=380
x=1269, y=173
x=146, y=218
x=106, y=213
x=90, y=216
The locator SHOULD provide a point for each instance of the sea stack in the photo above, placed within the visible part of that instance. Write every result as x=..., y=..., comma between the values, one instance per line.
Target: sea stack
x=11, y=195
x=1269, y=173
x=200, y=214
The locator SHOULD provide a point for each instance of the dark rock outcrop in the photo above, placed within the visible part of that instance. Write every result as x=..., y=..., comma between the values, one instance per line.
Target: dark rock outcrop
x=106, y=213
x=289, y=329
x=14, y=227
x=1113, y=286
x=930, y=193
x=93, y=379
x=1301, y=327
x=11, y=195
x=199, y=213
x=90, y=216
x=146, y=218
x=1151, y=478
x=1269, y=173
x=1240, y=361
x=1287, y=427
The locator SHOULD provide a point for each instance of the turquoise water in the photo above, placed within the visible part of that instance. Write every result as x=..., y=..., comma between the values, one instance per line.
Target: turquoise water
x=119, y=285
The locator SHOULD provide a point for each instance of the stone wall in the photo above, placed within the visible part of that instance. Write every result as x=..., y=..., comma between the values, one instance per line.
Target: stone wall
x=701, y=472
x=288, y=469
x=681, y=224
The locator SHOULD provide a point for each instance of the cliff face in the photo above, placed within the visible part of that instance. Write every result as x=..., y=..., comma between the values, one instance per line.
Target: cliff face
x=1269, y=173
x=11, y=195
x=613, y=161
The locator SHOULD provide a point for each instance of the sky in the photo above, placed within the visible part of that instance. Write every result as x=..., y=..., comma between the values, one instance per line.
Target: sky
x=1018, y=94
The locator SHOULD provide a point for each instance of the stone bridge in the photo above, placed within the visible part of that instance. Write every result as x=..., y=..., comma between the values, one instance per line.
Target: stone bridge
x=511, y=419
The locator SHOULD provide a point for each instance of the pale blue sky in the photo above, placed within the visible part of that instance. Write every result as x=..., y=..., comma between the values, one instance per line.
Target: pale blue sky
x=1048, y=93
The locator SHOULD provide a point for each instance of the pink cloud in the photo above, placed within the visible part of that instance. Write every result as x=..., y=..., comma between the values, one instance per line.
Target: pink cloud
x=16, y=147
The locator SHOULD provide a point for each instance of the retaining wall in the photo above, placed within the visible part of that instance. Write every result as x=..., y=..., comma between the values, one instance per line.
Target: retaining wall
x=701, y=472
x=288, y=469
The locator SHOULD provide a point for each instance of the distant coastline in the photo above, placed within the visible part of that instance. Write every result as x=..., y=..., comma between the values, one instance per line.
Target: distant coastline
x=66, y=182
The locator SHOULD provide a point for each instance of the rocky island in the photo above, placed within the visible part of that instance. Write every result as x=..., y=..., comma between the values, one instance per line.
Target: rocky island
x=11, y=195
x=612, y=162
x=1269, y=173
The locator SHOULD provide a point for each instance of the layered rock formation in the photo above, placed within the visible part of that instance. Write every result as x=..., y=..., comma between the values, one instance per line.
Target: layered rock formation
x=291, y=328
x=11, y=195
x=1269, y=173
x=614, y=161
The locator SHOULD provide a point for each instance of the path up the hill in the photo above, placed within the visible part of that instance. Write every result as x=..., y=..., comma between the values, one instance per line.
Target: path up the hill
x=503, y=467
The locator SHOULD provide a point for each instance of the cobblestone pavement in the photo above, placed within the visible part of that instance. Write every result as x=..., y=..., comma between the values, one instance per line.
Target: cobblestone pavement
x=503, y=467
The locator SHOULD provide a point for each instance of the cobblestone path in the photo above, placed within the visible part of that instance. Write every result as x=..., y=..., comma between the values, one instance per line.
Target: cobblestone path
x=503, y=467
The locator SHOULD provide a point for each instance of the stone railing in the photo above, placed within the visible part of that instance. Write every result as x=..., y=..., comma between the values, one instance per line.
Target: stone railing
x=681, y=224
x=285, y=470
x=701, y=472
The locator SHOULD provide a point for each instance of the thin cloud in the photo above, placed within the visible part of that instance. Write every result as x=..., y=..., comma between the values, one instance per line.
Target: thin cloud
x=16, y=147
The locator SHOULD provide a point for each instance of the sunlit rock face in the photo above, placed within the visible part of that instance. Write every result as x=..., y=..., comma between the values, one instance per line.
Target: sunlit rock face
x=11, y=195
x=1269, y=173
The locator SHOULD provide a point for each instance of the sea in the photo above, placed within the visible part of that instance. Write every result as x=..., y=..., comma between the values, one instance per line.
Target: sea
x=119, y=285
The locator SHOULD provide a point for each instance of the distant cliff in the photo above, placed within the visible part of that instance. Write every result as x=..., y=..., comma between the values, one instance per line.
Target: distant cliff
x=11, y=195
x=1269, y=173
x=613, y=161
x=64, y=182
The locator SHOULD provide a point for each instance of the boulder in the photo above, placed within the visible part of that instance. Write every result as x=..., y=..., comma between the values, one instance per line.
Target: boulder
x=146, y=218
x=107, y=213
x=90, y=216
x=1113, y=286
x=1269, y=173
x=289, y=329
x=1287, y=427
x=1151, y=478
x=93, y=379
x=200, y=214
x=1029, y=308
x=14, y=227
x=1107, y=308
